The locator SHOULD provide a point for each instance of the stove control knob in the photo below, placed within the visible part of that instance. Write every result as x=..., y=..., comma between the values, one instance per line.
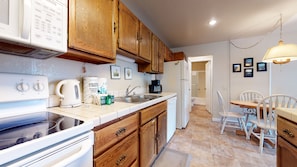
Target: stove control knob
x=38, y=86
x=37, y=135
x=23, y=87
x=20, y=140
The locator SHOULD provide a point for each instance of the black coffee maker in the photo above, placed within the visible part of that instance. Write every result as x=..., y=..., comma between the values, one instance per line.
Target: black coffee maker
x=155, y=87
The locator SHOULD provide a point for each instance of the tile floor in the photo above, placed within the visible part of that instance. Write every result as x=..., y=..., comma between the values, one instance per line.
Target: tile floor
x=208, y=148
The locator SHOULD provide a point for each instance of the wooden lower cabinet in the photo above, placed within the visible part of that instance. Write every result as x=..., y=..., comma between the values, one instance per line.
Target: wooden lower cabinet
x=152, y=133
x=135, y=164
x=117, y=143
x=108, y=136
x=132, y=141
x=147, y=145
x=286, y=143
x=162, y=131
x=286, y=153
x=122, y=154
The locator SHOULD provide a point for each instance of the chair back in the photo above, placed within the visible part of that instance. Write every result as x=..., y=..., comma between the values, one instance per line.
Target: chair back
x=266, y=108
x=221, y=101
x=250, y=95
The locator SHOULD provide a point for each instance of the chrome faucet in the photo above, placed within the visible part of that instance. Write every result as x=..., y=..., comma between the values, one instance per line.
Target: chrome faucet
x=129, y=91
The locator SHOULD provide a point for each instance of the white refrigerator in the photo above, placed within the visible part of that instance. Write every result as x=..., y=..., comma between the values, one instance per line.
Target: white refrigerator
x=176, y=79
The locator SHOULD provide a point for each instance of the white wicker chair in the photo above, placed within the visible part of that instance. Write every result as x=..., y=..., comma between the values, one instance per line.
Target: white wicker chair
x=227, y=116
x=250, y=95
x=266, y=117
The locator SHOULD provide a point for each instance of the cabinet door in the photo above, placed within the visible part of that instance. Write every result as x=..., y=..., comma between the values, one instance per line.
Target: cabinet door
x=286, y=153
x=161, y=54
x=162, y=131
x=154, y=62
x=168, y=54
x=144, y=42
x=148, y=143
x=92, y=26
x=128, y=30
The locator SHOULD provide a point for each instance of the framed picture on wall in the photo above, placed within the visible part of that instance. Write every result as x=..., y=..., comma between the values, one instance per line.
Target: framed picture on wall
x=128, y=73
x=236, y=68
x=115, y=72
x=248, y=72
x=248, y=62
x=261, y=66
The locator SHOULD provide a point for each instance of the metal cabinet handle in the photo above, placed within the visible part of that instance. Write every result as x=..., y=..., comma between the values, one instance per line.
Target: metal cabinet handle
x=289, y=133
x=114, y=27
x=120, y=131
x=121, y=159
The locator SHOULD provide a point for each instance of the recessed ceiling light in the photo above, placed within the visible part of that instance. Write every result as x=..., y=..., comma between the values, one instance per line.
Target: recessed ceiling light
x=212, y=22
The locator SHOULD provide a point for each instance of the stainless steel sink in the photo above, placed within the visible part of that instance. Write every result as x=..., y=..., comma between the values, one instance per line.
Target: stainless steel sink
x=136, y=98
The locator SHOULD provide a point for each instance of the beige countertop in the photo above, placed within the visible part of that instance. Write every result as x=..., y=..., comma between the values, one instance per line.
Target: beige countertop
x=288, y=113
x=100, y=114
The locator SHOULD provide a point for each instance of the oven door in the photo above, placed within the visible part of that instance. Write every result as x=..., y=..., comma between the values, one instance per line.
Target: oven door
x=75, y=152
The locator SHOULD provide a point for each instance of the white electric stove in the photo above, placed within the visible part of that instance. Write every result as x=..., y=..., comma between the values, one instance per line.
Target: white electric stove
x=31, y=136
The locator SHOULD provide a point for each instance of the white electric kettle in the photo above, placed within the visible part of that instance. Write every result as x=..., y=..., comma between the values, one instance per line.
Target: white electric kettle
x=70, y=95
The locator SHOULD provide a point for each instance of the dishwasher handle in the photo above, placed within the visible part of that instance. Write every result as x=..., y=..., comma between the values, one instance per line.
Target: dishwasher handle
x=85, y=147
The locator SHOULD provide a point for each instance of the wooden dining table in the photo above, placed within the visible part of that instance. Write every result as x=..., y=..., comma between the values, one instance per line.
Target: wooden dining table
x=249, y=105
x=244, y=104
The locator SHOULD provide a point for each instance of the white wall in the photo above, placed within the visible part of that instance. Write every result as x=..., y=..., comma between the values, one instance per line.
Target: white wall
x=57, y=69
x=283, y=77
x=260, y=80
x=220, y=53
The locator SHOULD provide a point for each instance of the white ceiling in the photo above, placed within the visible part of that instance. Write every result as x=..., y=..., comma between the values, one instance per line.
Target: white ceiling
x=185, y=22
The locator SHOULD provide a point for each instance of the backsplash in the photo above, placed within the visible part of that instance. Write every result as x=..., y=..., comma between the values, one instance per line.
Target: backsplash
x=57, y=69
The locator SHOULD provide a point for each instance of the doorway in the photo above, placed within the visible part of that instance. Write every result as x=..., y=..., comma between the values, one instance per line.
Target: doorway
x=198, y=83
x=206, y=89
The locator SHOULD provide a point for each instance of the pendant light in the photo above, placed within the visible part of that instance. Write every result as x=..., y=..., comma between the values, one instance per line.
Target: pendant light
x=282, y=53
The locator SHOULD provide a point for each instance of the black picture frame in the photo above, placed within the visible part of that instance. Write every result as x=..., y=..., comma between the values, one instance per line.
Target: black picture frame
x=261, y=66
x=236, y=67
x=248, y=72
x=115, y=72
x=248, y=62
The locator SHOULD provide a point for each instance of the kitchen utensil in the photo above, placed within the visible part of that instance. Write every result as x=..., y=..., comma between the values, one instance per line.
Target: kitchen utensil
x=69, y=92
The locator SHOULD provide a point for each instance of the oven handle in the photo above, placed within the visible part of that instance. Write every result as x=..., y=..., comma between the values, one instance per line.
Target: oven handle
x=84, y=149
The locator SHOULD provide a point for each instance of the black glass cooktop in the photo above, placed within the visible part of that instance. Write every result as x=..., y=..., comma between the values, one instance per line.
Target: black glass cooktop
x=19, y=129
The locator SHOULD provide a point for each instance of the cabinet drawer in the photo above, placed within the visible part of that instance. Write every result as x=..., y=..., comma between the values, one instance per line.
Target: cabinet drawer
x=135, y=164
x=287, y=130
x=122, y=154
x=106, y=137
x=151, y=112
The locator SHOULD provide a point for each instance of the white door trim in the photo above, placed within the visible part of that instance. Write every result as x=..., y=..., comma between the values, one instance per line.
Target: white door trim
x=210, y=60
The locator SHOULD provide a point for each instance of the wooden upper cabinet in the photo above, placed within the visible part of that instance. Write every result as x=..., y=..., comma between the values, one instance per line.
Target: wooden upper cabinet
x=144, y=42
x=128, y=30
x=161, y=55
x=178, y=56
x=155, y=57
x=92, y=29
x=168, y=55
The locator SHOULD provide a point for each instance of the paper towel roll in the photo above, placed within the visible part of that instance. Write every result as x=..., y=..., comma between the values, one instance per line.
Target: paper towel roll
x=90, y=88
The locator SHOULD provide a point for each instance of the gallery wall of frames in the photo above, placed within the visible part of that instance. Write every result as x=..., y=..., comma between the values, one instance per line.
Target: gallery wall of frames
x=248, y=67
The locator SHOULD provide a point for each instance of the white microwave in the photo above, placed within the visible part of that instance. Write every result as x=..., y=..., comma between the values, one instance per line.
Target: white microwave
x=33, y=28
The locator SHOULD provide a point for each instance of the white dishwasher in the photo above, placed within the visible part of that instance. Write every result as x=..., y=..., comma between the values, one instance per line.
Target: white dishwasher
x=171, y=117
